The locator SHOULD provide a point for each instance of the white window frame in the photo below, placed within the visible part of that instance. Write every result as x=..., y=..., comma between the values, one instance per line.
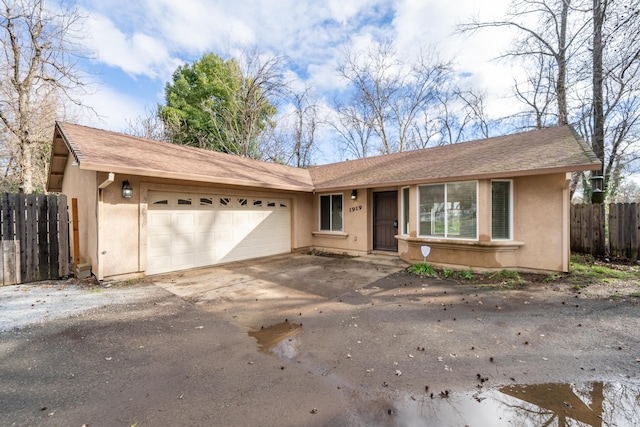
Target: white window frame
x=446, y=220
x=330, y=230
x=405, y=224
x=510, y=181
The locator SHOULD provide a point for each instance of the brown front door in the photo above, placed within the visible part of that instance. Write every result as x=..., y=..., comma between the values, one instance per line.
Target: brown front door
x=385, y=221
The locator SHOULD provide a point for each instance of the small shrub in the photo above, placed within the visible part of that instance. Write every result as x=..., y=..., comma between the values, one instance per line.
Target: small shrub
x=552, y=277
x=422, y=269
x=447, y=272
x=466, y=274
x=576, y=287
x=508, y=276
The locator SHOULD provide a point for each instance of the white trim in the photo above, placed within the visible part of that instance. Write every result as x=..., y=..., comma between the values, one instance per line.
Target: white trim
x=446, y=237
x=404, y=224
x=510, y=181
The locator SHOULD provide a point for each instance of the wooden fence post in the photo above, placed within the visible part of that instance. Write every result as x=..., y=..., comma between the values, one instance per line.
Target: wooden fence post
x=76, y=234
x=63, y=225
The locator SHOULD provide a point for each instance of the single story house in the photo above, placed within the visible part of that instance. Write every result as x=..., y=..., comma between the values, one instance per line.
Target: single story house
x=147, y=207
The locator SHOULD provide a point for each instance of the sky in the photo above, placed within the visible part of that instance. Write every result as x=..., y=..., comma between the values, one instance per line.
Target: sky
x=137, y=45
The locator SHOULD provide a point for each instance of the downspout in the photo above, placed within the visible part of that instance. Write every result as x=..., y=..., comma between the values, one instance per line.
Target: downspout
x=566, y=223
x=101, y=253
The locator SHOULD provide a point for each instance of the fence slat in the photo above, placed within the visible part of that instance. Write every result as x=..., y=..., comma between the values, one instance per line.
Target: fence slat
x=617, y=233
x=63, y=225
x=34, y=233
x=614, y=238
x=32, y=239
x=21, y=233
x=633, y=231
x=52, y=213
x=43, y=243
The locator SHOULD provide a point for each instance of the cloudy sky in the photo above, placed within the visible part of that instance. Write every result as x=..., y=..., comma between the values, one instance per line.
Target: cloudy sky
x=138, y=44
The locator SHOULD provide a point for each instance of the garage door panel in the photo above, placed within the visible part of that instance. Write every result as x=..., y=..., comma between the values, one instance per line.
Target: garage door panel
x=159, y=264
x=182, y=236
x=159, y=241
x=185, y=219
x=205, y=239
x=184, y=239
x=224, y=218
x=159, y=219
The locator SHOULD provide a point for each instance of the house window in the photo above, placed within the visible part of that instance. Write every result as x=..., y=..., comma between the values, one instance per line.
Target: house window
x=331, y=212
x=501, y=210
x=405, y=211
x=449, y=210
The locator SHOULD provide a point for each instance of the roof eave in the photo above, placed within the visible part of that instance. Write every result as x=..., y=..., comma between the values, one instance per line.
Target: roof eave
x=192, y=177
x=471, y=177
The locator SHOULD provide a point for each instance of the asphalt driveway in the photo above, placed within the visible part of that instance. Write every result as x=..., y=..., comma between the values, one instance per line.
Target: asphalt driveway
x=258, y=292
x=317, y=341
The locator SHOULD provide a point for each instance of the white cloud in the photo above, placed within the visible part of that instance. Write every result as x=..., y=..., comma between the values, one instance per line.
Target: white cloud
x=151, y=38
x=114, y=109
x=136, y=54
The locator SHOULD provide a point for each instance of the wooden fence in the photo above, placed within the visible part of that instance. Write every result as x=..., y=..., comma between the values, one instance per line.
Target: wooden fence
x=35, y=238
x=600, y=229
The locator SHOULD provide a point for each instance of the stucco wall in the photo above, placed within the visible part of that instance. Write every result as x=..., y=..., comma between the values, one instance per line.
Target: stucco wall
x=119, y=228
x=539, y=206
x=82, y=186
x=355, y=236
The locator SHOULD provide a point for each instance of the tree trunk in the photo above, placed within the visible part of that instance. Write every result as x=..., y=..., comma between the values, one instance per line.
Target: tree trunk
x=597, y=140
x=561, y=84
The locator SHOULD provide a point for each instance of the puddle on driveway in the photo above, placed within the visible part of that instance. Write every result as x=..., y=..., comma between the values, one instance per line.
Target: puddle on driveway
x=592, y=404
x=280, y=339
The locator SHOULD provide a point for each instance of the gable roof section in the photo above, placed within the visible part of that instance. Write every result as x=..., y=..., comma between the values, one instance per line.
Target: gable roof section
x=552, y=150
x=557, y=149
x=105, y=151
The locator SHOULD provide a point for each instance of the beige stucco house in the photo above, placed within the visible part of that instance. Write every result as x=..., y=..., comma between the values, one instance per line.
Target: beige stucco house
x=147, y=207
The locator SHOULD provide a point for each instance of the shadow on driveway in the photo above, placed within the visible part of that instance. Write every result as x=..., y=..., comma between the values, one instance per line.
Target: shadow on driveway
x=276, y=286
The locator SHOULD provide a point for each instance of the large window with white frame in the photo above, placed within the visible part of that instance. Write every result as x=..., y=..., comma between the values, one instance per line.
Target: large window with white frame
x=501, y=210
x=331, y=212
x=448, y=210
x=405, y=211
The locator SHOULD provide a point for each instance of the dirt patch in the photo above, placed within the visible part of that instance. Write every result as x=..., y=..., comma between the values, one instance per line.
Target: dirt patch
x=594, y=277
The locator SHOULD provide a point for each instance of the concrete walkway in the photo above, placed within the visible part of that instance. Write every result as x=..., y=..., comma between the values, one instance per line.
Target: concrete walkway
x=273, y=287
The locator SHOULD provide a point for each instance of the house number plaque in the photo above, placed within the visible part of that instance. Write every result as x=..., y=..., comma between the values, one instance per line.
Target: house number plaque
x=355, y=208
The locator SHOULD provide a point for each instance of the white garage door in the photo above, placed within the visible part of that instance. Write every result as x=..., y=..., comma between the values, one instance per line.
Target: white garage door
x=191, y=230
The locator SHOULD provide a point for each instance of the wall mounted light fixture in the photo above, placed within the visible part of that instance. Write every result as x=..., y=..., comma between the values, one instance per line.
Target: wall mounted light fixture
x=127, y=191
x=354, y=194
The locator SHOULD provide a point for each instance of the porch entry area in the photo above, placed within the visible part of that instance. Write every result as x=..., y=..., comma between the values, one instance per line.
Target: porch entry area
x=385, y=220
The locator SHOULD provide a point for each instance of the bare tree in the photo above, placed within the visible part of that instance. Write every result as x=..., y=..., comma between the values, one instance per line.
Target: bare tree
x=306, y=123
x=262, y=86
x=585, y=59
x=148, y=126
x=354, y=130
x=544, y=29
x=537, y=93
x=390, y=93
x=38, y=72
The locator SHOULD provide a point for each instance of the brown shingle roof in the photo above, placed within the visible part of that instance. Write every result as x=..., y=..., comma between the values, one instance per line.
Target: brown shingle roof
x=107, y=151
x=557, y=149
